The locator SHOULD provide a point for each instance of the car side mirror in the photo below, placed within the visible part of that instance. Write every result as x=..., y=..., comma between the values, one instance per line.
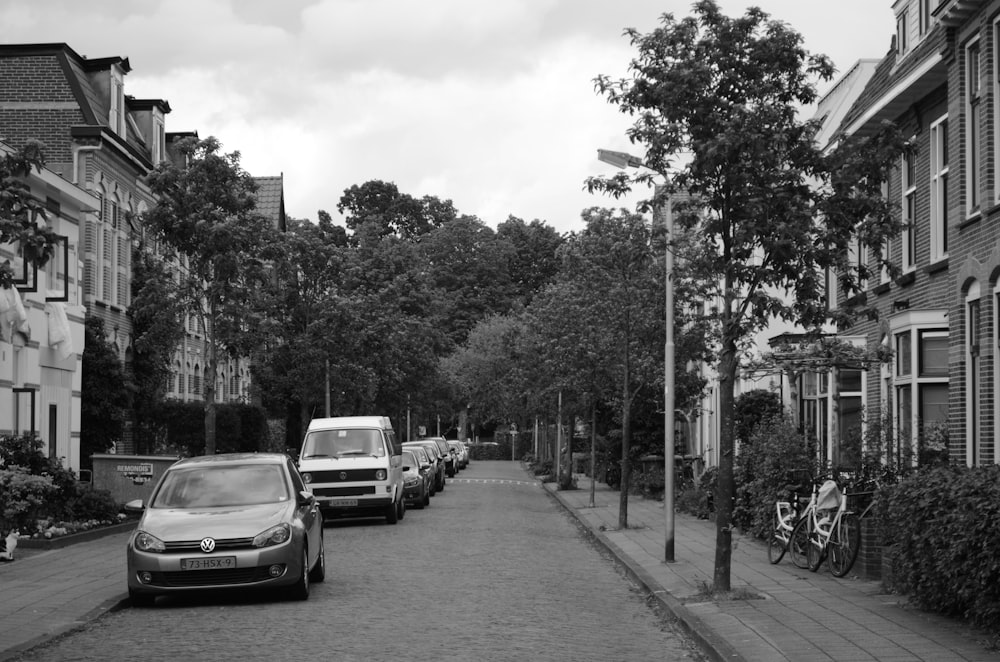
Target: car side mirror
x=135, y=506
x=406, y=467
x=306, y=498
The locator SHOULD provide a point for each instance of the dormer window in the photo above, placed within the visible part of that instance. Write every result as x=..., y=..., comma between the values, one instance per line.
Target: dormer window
x=116, y=117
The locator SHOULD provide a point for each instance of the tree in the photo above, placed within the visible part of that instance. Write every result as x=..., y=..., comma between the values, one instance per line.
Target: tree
x=534, y=259
x=206, y=212
x=105, y=395
x=382, y=207
x=775, y=211
x=612, y=260
x=22, y=215
x=157, y=329
x=465, y=269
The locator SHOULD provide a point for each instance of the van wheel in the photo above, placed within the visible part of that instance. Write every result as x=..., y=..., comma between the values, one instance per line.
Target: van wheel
x=402, y=509
x=391, y=513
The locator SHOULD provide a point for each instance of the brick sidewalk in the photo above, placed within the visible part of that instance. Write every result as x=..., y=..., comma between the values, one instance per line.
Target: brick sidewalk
x=44, y=594
x=802, y=616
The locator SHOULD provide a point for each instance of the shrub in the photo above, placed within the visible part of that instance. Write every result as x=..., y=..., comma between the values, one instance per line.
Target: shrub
x=776, y=449
x=25, y=451
x=647, y=481
x=23, y=498
x=91, y=504
x=945, y=522
x=753, y=408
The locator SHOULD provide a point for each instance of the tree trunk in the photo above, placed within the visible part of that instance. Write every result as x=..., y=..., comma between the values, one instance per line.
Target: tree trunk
x=209, y=390
x=626, y=446
x=593, y=450
x=725, y=489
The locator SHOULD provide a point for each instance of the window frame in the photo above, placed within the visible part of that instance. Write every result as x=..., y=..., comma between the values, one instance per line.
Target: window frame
x=910, y=382
x=939, y=169
x=908, y=206
x=973, y=126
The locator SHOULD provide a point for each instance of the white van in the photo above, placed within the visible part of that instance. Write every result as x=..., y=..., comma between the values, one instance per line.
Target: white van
x=354, y=467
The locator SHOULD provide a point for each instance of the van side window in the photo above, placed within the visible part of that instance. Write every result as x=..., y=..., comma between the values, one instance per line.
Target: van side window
x=397, y=448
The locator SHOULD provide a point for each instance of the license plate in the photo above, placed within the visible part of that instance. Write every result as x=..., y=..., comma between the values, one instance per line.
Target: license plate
x=214, y=563
x=343, y=503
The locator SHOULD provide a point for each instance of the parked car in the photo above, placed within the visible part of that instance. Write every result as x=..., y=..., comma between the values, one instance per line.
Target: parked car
x=353, y=466
x=439, y=461
x=416, y=479
x=461, y=453
x=450, y=465
x=428, y=466
x=230, y=521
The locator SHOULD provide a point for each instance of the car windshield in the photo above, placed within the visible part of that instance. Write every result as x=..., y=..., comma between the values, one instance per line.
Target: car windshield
x=342, y=443
x=218, y=486
x=410, y=460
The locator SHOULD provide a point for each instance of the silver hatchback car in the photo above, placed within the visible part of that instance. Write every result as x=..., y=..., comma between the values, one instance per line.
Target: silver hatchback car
x=240, y=520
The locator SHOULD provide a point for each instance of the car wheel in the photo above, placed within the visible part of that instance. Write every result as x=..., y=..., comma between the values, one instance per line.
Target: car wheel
x=391, y=513
x=427, y=500
x=300, y=590
x=402, y=509
x=141, y=599
x=318, y=572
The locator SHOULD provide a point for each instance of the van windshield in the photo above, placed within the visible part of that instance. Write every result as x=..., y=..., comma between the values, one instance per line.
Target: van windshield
x=342, y=443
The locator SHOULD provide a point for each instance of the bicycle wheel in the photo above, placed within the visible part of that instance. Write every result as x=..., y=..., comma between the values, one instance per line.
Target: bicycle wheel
x=816, y=552
x=845, y=543
x=776, y=545
x=798, y=543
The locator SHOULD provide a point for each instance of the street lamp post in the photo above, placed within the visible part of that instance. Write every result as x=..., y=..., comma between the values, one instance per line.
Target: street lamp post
x=625, y=160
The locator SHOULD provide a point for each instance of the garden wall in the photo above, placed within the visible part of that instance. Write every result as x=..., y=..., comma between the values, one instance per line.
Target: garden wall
x=129, y=477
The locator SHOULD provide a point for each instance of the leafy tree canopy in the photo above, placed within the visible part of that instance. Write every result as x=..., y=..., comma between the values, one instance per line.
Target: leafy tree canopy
x=22, y=215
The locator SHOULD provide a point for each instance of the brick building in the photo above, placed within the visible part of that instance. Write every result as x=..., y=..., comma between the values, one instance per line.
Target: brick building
x=105, y=142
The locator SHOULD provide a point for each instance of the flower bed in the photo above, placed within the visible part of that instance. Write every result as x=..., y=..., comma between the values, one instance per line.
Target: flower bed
x=54, y=535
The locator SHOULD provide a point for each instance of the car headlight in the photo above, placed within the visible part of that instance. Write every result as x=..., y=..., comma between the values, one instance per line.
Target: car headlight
x=273, y=536
x=145, y=542
x=410, y=482
x=380, y=474
x=307, y=477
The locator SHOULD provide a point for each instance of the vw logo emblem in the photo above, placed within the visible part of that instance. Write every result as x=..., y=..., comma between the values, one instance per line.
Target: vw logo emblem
x=207, y=545
x=343, y=475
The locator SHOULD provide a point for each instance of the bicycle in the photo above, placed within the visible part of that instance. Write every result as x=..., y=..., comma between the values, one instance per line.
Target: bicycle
x=834, y=538
x=787, y=515
x=798, y=544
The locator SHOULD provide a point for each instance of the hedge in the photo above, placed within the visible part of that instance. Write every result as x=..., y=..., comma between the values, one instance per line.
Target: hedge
x=944, y=525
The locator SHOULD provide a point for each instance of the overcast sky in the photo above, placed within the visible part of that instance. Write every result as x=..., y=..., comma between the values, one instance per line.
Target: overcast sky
x=488, y=103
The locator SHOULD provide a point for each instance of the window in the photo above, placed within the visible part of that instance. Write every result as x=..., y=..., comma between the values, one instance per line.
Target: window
x=24, y=411
x=116, y=116
x=924, y=9
x=909, y=184
x=158, y=141
x=885, y=251
x=814, y=410
x=939, y=189
x=57, y=272
x=901, y=33
x=920, y=383
x=973, y=130
x=850, y=410
x=973, y=364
